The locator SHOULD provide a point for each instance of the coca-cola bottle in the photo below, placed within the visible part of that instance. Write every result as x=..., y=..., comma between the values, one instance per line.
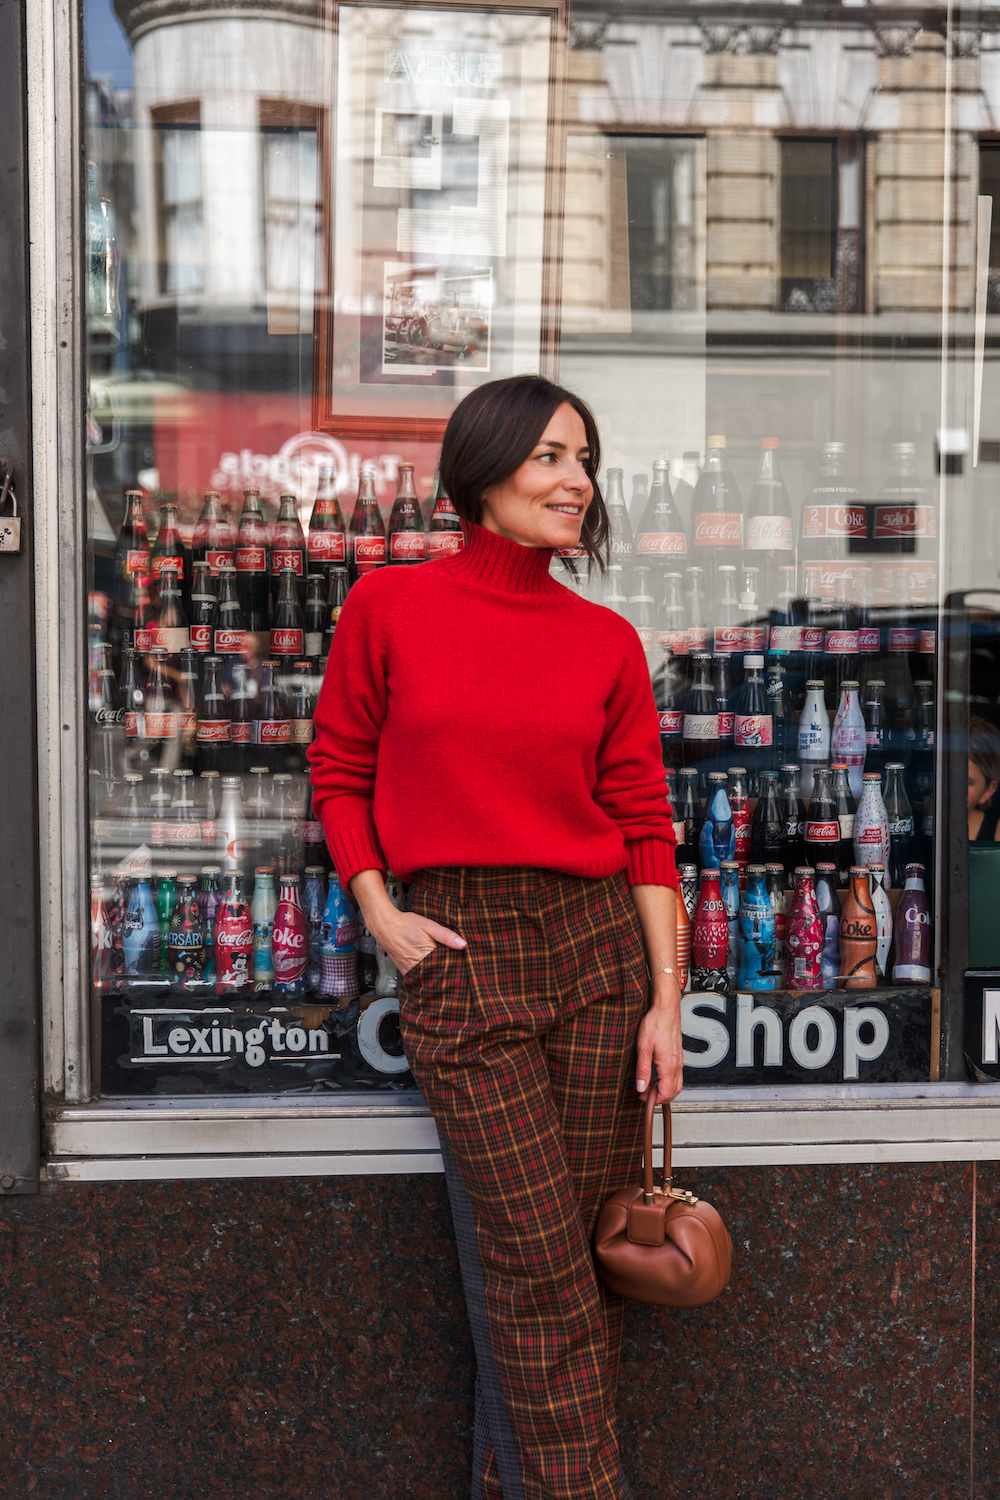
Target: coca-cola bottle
x=262, y=910
x=229, y=638
x=140, y=937
x=327, y=532
x=901, y=638
x=131, y=549
x=858, y=933
x=231, y=828
x=717, y=839
x=758, y=970
x=729, y=889
x=689, y=811
x=288, y=826
x=710, y=938
x=717, y=536
x=170, y=633
x=187, y=690
x=913, y=931
x=784, y=722
x=642, y=611
x=905, y=517
x=339, y=585
x=407, y=542
x=186, y=940
x=696, y=624
x=211, y=801
x=233, y=941
x=301, y=706
x=768, y=540
x=883, y=920
x=315, y=619
x=775, y=885
x=814, y=734
x=252, y=563
x=132, y=696
x=184, y=825
x=805, y=935
x=753, y=723
x=660, y=531
x=687, y=482
x=367, y=530
x=272, y=728
x=260, y=825
x=831, y=515
x=160, y=799
x=848, y=738
x=288, y=625
x=899, y=814
x=314, y=896
x=813, y=631
x=840, y=642
x=622, y=547
x=767, y=826
x=339, y=945
x=213, y=541
x=793, y=809
x=922, y=760
x=728, y=633
x=671, y=635
x=871, y=825
x=214, y=732
x=288, y=551
x=161, y=720
x=134, y=620
x=444, y=533
x=241, y=702
x=878, y=748
x=687, y=878
x=739, y=804
x=753, y=615
x=701, y=715
x=204, y=606
x=846, y=807
x=668, y=693
x=210, y=899
x=829, y=910
x=169, y=555
x=107, y=719
x=724, y=702
x=822, y=824
x=290, y=940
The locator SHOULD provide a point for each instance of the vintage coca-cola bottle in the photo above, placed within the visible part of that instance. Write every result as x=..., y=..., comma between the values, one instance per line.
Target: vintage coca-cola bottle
x=262, y=909
x=753, y=723
x=784, y=632
x=829, y=909
x=729, y=890
x=252, y=563
x=204, y=607
x=169, y=555
x=814, y=734
x=622, y=545
x=913, y=931
x=701, y=715
x=107, y=719
x=288, y=624
x=170, y=633
x=671, y=636
x=660, y=532
x=805, y=935
x=407, y=543
x=212, y=541
x=899, y=814
x=846, y=807
x=327, y=543
x=813, y=630
x=840, y=642
x=135, y=619
x=883, y=920
x=753, y=614
x=233, y=941
x=211, y=801
x=187, y=688
x=339, y=585
x=757, y=970
x=774, y=880
x=695, y=619
x=768, y=539
x=710, y=938
x=689, y=811
x=871, y=825
x=272, y=728
x=161, y=719
x=184, y=825
x=717, y=530
x=848, y=738
x=642, y=610
x=132, y=696
x=905, y=517
x=302, y=693
x=338, y=945
x=290, y=941
x=717, y=838
x=822, y=834
x=878, y=748
x=668, y=693
x=727, y=635
x=315, y=619
x=831, y=515
x=858, y=933
x=186, y=940
x=131, y=558
x=784, y=720
x=367, y=530
x=241, y=702
x=739, y=804
x=231, y=827
x=288, y=550
x=724, y=702
x=214, y=732
x=794, y=812
x=767, y=826
x=229, y=637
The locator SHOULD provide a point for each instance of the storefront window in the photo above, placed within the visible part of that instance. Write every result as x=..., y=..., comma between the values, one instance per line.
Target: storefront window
x=764, y=251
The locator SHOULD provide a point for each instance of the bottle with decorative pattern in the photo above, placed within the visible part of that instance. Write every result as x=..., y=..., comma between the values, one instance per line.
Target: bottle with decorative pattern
x=710, y=938
x=805, y=935
x=858, y=933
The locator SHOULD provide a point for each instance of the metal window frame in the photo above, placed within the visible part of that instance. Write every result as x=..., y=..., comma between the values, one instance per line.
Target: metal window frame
x=281, y=1135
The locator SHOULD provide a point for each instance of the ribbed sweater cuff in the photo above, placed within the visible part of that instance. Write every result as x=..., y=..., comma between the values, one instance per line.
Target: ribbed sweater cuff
x=650, y=862
x=353, y=850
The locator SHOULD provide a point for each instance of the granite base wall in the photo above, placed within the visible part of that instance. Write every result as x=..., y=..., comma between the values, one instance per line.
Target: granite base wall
x=306, y=1338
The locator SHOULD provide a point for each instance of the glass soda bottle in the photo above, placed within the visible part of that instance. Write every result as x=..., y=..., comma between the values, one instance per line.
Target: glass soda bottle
x=757, y=969
x=204, y=607
x=262, y=910
x=186, y=940
x=695, y=611
x=687, y=876
x=710, y=938
x=326, y=544
x=831, y=515
x=339, y=585
x=913, y=931
x=689, y=811
x=272, y=728
x=131, y=559
x=642, y=611
x=768, y=539
x=252, y=563
x=822, y=835
x=407, y=539
x=840, y=641
x=141, y=936
x=739, y=802
x=444, y=536
x=288, y=625
x=767, y=825
x=794, y=812
x=871, y=824
x=339, y=946
x=161, y=720
x=717, y=520
x=313, y=902
x=660, y=532
x=814, y=735
x=367, y=529
x=701, y=715
x=846, y=808
x=900, y=818
x=774, y=880
x=211, y=800
x=622, y=546
x=233, y=941
x=212, y=541
x=805, y=935
x=668, y=693
x=883, y=920
x=753, y=723
x=785, y=728
x=671, y=634
x=727, y=635
x=878, y=748
x=858, y=933
x=170, y=633
x=290, y=942
x=315, y=619
x=717, y=838
x=848, y=738
x=288, y=551
x=169, y=555
x=210, y=900
x=829, y=910
x=729, y=890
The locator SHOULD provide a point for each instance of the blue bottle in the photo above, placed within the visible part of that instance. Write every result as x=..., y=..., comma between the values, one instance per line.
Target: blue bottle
x=730, y=892
x=141, y=934
x=210, y=901
x=313, y=902
x=829, y=911
x=717, y=840
x=338, y=945
x=758, y=970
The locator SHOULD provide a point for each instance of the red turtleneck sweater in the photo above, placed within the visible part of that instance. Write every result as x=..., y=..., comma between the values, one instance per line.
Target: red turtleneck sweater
x=477, y=712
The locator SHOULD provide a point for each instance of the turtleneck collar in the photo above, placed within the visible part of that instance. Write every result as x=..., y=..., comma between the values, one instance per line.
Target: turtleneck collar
x=497, y=563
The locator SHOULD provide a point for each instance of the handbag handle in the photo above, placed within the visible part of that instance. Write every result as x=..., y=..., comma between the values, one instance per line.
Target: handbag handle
x=647, y=1144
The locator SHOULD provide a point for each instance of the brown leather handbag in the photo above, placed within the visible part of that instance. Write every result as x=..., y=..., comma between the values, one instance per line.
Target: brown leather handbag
x=661, y=1244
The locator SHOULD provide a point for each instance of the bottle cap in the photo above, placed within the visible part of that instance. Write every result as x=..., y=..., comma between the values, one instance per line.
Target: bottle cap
x=814, y=683
x=750, y=662
x=267, y=870
x=804, y=870
x=717, y=776
x=872, y=776
x=826, y=866
x=729, y=864
x=894, y=765
x=849, y=685
x=770, y=444
x=756, y=869
x=737, y=770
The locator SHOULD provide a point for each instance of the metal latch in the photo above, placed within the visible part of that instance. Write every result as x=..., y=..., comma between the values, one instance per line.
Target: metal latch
x=10, y=526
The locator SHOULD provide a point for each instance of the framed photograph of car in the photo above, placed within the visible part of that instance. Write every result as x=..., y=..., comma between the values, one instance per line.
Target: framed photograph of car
x=440, y=212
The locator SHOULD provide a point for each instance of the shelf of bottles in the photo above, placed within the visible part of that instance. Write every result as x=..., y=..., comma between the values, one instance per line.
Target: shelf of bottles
x=211, y=883
x=793, y=667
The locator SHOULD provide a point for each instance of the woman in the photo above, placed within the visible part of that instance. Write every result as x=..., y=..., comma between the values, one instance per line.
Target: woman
x=984, y=777
x=492, y=738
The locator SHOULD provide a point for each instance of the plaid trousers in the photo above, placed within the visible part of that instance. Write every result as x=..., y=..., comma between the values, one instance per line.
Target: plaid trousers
x=523, y=1045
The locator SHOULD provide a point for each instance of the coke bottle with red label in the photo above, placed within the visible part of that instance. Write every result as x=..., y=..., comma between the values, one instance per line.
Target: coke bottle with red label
x=169, y=555
x=728, y=633
x=407, y=541
x=701, y=716
x=290, y=941
x=214, y=733
x=204, y=605
x=241, y=703
x=327, y=544
x=231, y=827
x=846, y=807
x=213, y=541
x=161, y=720
x=717, y=534
x=753, y=723
x=252, y=563
x=899, y=814
x=288, y=625
x=170, y=633
x=739, y=802
x=233, y=941
x=229, y=637
x=858, y=933
x=187, y=689
x=724, y=706
x=904, y=519
x=444, y=536
x=832, y=513
x=768, y=540
x=753, y=613
x=272, y=728
x=670, y=632
x=132, y=547
x=695, y=617
x=661, y=531
x=132, y=695
x=288, y=550
x=710, y=938
x=668, y=691
x=622, y=544
x=805, y=935
x=184, y=825
x=822, y=833
x=107, y=720
x=367, y=530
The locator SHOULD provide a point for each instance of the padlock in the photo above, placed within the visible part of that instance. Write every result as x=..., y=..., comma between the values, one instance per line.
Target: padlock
x=10, y=526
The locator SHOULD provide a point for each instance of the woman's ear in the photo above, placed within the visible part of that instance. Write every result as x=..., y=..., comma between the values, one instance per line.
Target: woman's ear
x=987, y=796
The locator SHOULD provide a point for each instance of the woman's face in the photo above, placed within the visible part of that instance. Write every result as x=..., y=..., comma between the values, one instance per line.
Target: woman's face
x=543, y=503
x=980, y=790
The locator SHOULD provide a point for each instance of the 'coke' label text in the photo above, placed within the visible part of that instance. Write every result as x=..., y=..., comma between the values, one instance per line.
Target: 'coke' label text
x=286, y=641
x=905, y=520
x=201, y=637
x=161, y=726
x=217, y=560
x=834, y=520
x=230, y=642
x=326, y=546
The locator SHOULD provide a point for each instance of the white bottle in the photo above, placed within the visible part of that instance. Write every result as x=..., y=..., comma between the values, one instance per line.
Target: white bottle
x=262, y=910
x=848, y=741
x=814, y=736
x=387, y=982
x=231, y=828
x=883, y=920
x=871, y=826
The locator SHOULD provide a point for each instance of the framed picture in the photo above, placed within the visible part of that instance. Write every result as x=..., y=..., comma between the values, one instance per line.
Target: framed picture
x=439, y=165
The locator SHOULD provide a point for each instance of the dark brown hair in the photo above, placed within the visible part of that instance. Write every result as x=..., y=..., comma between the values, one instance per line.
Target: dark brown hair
x=496, y=428
x=984, y=747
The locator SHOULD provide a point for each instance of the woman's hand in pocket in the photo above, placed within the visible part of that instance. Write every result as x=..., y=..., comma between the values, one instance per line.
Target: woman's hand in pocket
x=408, y=938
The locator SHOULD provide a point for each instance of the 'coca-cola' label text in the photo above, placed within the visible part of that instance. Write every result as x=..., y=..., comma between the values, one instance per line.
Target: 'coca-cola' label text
x=718, y=528
x=444, y=544
x=173, y=639
x=660, y=543
x=675, y=641
x=201, y=637
x=822, y=832
x=671, y=722
x=786, y=638
x=904, y=520
x=369, y=552
x=753, y=729
x=407, y=546
x=161, y=726
x=214, y=731
x=768, y=534
x=841, y=642
x=701, y=726
x=251, y=559
x=217, y=560
x=272, y=731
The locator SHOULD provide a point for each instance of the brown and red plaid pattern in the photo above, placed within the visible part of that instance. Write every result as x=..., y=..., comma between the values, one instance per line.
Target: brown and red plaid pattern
x=524, y=1045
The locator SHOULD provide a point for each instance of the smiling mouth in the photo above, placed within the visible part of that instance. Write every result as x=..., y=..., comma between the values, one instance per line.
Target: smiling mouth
x=566, y=510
